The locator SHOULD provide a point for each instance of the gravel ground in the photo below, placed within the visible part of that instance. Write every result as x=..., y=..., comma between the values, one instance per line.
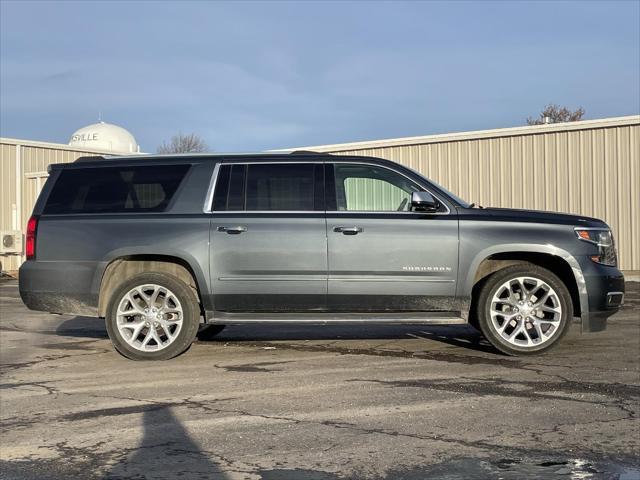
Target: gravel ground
x=288, y=402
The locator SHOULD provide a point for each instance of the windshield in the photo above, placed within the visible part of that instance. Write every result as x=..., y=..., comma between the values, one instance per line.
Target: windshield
x=456, y=198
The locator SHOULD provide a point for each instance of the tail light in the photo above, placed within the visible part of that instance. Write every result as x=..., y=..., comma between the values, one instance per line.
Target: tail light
x=30, y=242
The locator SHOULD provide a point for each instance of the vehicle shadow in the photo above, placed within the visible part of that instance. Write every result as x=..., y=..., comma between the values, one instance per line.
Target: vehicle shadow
x=83, y=327
x=463, y=336
x=458, y=335
x=165, y=451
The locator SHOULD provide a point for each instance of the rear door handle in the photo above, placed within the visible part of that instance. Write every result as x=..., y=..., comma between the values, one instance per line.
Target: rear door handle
x=347, y=230
x=233, y=230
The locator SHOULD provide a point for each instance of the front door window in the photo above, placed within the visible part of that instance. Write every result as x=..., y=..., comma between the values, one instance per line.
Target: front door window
x=368, y=188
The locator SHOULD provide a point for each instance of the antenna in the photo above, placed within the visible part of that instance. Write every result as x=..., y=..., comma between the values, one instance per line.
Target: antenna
x=100, y=116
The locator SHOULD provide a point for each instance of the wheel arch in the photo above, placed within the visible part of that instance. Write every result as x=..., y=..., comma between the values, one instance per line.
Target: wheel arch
x=124, y=267
x=558, y=261
x=555, y=264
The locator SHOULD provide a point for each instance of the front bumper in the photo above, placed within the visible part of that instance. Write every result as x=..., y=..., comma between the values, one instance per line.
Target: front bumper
x=604, y=294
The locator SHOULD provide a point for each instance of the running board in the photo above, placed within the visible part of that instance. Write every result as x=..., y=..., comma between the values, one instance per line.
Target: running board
x=420, y=318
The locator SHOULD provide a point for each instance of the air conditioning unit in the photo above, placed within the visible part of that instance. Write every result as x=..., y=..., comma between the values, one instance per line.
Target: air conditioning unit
x=10, y=242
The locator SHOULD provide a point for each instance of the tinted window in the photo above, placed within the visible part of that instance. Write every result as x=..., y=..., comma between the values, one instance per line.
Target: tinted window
x=222, y=189
x=229, y=193
x=280, y=187
x=235, y=199
x=115, y=189
x=269, y=187
x=372, y=188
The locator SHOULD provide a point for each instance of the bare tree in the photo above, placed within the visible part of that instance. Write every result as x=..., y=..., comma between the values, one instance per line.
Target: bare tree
x=556, y=114
x=181, y=143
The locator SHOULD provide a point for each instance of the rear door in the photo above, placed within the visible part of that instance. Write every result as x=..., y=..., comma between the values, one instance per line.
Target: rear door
x=268, y=237
x=382, y=255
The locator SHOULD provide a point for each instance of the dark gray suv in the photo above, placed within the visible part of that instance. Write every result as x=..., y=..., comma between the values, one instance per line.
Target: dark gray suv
x=163, y=247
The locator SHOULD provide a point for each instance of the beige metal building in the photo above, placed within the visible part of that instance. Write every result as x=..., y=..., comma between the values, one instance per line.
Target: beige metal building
x=23, y=170
x=589, y=167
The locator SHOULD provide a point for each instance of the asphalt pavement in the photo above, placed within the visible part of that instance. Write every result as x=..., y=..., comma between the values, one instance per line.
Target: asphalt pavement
x=316, y=402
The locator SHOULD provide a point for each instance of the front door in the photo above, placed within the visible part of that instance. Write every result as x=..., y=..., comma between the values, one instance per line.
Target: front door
x=382, y=255
x=268, y=238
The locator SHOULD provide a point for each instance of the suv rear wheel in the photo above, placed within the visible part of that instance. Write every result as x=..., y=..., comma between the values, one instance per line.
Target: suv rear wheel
x=152, y=316
x=524, y=310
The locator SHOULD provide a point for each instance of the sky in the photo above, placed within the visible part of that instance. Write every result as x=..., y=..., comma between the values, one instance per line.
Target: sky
x=251, y=76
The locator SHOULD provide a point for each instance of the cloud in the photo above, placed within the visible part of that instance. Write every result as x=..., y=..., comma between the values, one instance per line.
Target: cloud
x=62, y=75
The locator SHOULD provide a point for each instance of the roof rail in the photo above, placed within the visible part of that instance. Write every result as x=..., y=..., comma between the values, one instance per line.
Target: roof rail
x=308, y=152
x=89, y=159
x=100, y=158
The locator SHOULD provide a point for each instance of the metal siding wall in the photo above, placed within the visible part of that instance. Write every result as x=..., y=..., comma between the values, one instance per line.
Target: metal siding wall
x=7, y=196
x=36, y=160
x=33, y=159
x=593, y=172
x=8, y=185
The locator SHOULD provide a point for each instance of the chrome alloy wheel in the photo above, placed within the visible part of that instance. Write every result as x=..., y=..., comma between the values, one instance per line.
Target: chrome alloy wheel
x=526, y=311
x=149, y=317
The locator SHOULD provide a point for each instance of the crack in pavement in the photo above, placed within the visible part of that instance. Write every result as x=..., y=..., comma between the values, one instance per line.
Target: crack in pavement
x=50, y=390
x=475, y=444
x=534, y=390
x=438, y=356
x=20, y=422
x=8, y=367
x=118, y=458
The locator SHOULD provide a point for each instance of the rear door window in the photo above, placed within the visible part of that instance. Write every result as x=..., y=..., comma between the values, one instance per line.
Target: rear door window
x=270, y=187
x=115, y=189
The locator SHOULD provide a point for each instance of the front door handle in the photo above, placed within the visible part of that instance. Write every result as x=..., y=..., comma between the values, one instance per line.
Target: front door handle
x=232, y=230
x=347, y=230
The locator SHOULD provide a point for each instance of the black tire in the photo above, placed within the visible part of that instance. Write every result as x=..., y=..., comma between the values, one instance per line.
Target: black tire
x=190, y=311
x=209, y=332
x=490, y=287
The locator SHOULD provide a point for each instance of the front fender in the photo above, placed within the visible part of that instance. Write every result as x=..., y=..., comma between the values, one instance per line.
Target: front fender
x=467, y=284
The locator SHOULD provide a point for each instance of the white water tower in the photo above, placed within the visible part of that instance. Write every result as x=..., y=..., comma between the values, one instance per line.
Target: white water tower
x=105, y=137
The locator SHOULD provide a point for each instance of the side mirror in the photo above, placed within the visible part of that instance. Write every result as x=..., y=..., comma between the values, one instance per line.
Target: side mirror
x=424, y=202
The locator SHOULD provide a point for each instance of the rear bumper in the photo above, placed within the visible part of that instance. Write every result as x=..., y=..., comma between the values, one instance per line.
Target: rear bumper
x=604, y=292
x=59, y=287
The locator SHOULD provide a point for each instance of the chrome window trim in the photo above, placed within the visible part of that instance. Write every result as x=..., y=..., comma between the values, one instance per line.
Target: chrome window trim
x=275, y=163
x=208, y=203
x=323, y=212
x=384, y=212
x=237, y=212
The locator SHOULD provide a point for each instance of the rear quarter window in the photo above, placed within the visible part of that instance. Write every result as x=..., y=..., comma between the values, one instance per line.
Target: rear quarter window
x=115, y=189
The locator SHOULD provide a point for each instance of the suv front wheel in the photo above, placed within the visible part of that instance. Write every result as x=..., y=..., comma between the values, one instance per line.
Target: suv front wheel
x=152, y=316
x=524, y=309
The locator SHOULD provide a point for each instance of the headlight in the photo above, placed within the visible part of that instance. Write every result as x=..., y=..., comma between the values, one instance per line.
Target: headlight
x=603, y=239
